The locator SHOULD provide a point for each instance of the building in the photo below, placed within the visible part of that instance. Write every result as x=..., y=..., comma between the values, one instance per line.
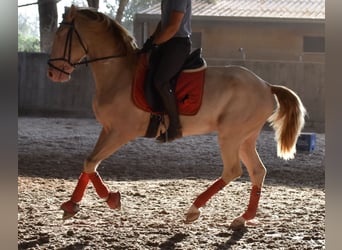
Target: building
x=291, y=30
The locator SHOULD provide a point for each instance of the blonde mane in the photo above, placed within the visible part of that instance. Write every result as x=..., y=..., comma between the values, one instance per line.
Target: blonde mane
x=118, y=31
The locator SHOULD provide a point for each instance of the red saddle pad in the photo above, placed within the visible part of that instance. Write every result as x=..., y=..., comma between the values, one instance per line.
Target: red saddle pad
x=189, y=89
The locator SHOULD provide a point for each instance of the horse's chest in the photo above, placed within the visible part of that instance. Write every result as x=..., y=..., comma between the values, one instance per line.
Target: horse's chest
x=102, y=107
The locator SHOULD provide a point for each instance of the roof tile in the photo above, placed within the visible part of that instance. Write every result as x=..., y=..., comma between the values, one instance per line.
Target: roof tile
x=307, y=9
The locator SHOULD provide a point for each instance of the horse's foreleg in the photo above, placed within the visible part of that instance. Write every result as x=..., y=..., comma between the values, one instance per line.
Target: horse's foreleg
x=107, y=143
x=257, y=173
x=71, y=207
x=112, y=198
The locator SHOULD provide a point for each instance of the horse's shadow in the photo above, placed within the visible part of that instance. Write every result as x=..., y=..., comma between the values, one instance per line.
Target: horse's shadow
x=170, y=243
x=237, y=235
x=234, y=238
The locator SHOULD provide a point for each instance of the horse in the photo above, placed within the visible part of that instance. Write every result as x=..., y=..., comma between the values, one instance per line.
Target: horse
x=236, y=104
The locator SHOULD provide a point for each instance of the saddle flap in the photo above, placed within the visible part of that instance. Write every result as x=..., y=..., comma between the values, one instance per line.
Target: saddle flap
x=189, y=89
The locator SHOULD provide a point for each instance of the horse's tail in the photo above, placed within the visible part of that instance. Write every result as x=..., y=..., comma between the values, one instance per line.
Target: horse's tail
x=287, y=120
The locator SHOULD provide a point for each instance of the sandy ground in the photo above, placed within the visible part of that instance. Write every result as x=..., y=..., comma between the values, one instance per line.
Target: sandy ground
x=158, y=183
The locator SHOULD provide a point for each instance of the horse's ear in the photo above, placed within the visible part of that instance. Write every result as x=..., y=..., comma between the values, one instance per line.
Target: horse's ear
x=70, y=13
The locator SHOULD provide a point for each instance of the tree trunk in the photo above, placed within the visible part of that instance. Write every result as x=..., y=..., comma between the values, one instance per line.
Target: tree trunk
x=119, y=12
x=93, y=4
x=47, y=23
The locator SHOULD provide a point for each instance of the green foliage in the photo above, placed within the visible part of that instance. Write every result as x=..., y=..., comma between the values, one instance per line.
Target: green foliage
x=28, y=43
x=28, y=38
x=28, y=29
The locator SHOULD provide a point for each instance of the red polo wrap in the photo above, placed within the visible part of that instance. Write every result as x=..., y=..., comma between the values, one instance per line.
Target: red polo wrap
x=253, y=203
x=213, y=189
x=100, y=187
x=80, y=188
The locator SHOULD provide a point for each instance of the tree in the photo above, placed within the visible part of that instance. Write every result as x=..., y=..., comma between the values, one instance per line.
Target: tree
x=124, y=10
x=93, y=4
x=48, y=23
x=28, y=34
x=28, y=43
x=120, y=11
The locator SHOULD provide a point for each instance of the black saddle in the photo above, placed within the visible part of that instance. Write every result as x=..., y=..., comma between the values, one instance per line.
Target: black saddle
x=194, y=60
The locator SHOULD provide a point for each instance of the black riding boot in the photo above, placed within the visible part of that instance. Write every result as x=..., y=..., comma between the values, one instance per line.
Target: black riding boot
x=174, y=130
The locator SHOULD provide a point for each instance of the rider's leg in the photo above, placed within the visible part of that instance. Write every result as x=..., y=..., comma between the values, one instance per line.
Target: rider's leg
x=170, y=57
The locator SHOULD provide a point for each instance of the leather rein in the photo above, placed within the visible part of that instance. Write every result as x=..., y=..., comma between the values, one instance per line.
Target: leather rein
x=67, y=51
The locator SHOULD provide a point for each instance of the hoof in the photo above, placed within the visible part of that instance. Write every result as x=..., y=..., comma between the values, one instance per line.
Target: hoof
x=238, y=224
x=70, y=209
x=192, y=215
x=113, y=200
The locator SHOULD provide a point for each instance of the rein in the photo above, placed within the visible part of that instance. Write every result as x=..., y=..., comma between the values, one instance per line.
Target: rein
x=67, y=51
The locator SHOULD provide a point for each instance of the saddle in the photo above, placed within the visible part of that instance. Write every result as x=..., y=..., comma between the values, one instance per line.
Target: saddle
x=187, y=86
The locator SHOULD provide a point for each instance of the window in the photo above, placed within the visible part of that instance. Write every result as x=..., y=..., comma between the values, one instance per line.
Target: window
x=313, y=44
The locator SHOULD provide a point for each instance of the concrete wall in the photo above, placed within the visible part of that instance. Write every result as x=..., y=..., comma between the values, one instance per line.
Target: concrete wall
x=261, y=39
x=37, y=95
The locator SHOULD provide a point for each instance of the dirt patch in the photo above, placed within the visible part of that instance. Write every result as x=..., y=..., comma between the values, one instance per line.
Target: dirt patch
x=158, y=183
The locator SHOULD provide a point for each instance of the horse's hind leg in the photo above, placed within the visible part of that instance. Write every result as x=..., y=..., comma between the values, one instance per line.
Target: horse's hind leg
x=257, y=173
x=107, y=143
x=231, y=171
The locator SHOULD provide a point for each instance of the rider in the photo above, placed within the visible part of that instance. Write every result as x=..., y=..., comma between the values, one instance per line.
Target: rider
x=170, y=45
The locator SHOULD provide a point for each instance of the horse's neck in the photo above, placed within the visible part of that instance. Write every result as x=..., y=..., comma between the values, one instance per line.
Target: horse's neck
x=114, y=74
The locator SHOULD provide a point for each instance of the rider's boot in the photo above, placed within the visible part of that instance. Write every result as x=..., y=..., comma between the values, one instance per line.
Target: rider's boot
x=174, y=130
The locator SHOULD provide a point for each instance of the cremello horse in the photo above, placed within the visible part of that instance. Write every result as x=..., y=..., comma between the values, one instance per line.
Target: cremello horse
x=236, y=103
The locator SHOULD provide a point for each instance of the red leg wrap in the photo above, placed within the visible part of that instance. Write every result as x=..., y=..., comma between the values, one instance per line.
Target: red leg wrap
x=80, y=188
x=100, y=187
x=253, y=203
x=213, y=189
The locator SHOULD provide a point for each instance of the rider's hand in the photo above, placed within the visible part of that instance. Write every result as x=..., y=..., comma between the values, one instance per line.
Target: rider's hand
x=148, y=45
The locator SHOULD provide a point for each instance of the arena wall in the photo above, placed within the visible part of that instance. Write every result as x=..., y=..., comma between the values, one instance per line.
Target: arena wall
x=38, y=96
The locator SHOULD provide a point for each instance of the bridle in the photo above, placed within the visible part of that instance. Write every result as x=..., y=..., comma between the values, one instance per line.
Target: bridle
x=67, y=50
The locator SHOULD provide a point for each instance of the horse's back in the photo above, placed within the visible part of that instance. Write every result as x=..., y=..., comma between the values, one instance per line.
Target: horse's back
x=235, y=99
x=235, y=80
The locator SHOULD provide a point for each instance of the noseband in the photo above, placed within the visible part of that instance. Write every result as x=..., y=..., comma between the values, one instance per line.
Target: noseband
x=67, y=50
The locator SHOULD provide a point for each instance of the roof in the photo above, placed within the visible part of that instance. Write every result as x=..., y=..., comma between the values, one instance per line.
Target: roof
x=293, y=9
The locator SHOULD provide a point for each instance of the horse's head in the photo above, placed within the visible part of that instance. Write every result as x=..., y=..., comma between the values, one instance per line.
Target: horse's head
x=86, y=32
x=68, y=48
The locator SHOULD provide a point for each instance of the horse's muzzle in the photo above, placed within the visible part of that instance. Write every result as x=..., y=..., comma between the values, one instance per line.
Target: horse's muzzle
x=62, y=74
